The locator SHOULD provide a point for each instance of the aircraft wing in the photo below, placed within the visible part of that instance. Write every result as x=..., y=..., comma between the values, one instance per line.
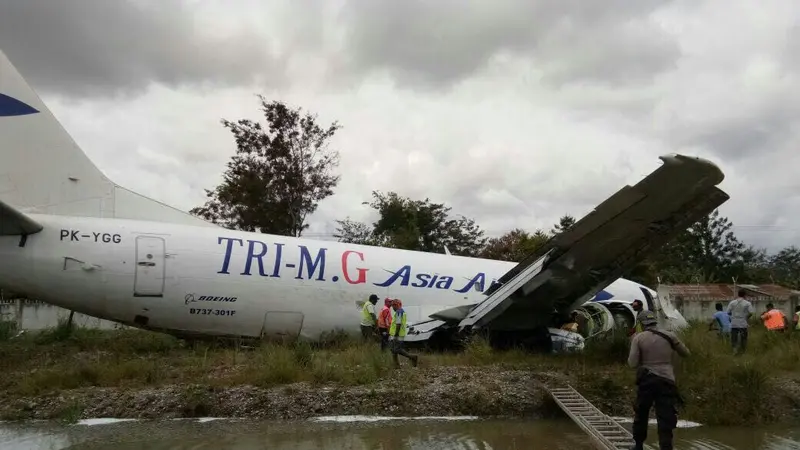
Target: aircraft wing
x=618, y=234
x=14, y=223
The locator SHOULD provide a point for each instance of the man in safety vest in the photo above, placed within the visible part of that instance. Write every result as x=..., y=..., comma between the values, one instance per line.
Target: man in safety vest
x=384, y=321
x=368, y=318
x=774, y=319
x=638, y=308
x=397, y=333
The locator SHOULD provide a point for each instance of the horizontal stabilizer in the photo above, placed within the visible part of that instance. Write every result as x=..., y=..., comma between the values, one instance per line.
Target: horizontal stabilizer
x=15, y=223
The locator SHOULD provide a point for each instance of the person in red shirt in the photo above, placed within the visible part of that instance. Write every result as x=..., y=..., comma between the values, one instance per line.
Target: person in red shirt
x=384, y=322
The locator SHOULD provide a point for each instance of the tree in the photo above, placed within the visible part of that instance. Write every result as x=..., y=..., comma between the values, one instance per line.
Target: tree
x=564, y=223
x=278, y=175
x=754, y=266
x=706, y=252
x=716, y=250
x=785, y=267
x=515, y=245
x=414, y=225
x=353, y=232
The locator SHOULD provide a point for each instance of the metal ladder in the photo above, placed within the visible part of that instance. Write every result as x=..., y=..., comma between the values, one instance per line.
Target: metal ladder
x=605, y=432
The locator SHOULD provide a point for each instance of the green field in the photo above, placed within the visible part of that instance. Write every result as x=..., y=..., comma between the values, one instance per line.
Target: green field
x=758, y=387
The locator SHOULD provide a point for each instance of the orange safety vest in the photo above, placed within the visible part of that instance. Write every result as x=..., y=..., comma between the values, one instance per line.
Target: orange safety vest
x=385, y=317
x=773, y=319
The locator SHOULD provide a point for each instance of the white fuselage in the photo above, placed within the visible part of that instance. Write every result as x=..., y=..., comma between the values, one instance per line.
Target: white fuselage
x=215, y=281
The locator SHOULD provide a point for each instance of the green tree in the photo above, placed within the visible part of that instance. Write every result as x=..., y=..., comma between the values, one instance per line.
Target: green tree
x=414, y=225
x=278, y=175
x=785, y=267
x=707, y=252
x=515, y=245
x=564, y=223
x=353, y=232
x=753, y=266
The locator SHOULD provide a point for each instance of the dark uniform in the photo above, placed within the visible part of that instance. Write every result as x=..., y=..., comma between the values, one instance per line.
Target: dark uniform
x=651, y=355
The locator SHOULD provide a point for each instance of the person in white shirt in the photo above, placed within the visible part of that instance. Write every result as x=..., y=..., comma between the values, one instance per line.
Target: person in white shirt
x=740, y=311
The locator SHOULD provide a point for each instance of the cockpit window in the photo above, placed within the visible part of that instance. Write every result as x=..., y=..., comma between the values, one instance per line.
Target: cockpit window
x=651, y=305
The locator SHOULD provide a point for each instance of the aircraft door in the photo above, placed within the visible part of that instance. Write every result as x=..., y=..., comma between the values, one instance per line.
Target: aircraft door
x=150, y=267
x=284, y=325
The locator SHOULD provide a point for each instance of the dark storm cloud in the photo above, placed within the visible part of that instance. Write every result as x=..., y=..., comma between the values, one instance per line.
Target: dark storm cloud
x=439, y=43
x=95, y=47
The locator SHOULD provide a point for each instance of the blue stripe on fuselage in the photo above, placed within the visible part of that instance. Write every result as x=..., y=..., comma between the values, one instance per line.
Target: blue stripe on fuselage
x=603, y=295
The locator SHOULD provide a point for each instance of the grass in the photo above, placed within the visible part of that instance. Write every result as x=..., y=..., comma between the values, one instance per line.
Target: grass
x=718, y=387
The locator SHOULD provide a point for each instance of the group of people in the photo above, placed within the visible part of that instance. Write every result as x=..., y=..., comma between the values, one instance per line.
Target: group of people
x=651, y=354
x=390, y=324
x=732, y=323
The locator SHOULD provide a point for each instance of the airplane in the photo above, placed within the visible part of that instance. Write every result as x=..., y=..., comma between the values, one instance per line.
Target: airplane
x=71, y=237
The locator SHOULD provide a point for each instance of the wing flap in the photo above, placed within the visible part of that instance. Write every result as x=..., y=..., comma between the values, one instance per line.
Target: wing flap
x=15, y=223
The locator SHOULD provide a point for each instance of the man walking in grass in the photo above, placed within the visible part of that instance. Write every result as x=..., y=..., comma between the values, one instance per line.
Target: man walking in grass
x=740, y=311
x=722, y=322
x=397, y=334
x=651, y=355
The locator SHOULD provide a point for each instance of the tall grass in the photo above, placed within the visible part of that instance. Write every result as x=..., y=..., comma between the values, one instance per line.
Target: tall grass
x=719, y=388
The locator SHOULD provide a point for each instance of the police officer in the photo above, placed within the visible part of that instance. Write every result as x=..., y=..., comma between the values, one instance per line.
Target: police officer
x=651, y=354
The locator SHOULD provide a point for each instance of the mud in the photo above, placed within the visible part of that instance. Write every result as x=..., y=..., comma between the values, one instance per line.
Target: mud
x=408, y=392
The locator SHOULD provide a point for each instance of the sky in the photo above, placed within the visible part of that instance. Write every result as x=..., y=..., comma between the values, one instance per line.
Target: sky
x=513, y=113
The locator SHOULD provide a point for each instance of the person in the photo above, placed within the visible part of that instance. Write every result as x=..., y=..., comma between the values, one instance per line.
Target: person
x=722, y=321
x=796, y=318
x=638, y=308
x=651, y=355
x=740, y=311
x=368, y=318
x=397, y=334
x=774, y=319
x=571, y=324
x=384, y=320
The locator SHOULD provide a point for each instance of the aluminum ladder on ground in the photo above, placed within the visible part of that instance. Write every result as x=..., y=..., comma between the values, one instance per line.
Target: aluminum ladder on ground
x=605, y=432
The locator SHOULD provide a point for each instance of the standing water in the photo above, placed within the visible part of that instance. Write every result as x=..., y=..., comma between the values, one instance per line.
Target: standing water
x=361, y=433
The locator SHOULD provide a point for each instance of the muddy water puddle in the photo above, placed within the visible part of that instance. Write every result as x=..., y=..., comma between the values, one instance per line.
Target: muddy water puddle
x=358, y=433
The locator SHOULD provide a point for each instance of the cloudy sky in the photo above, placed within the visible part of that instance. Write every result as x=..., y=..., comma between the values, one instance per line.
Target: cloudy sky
x=512, y=112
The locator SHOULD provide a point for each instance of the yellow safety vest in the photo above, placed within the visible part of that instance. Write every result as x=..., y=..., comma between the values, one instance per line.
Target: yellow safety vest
x=638, y=327
x=366, y=314
x=398, y=319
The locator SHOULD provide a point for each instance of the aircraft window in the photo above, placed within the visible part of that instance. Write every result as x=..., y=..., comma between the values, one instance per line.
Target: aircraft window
x=649, y=299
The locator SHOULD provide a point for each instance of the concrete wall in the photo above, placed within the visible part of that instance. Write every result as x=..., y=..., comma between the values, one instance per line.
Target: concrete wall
x=33, y=315
x=702, y=308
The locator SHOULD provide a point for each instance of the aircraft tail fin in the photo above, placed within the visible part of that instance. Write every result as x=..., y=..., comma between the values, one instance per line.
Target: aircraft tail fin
x=42, y=170
x=15, y=223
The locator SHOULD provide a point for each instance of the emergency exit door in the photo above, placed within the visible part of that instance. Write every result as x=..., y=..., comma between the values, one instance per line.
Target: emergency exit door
x=150, y=267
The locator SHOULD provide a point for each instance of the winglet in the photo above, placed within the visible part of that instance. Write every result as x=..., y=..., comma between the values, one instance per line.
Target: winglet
x=15, y=223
